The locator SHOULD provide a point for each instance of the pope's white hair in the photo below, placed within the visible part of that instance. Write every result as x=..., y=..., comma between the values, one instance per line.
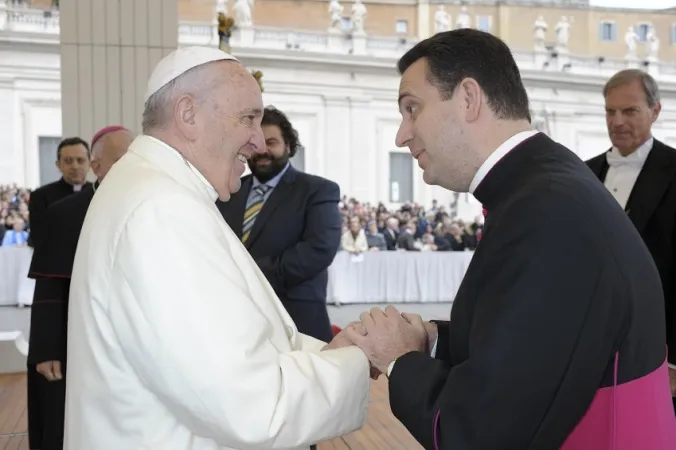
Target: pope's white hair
x=160, y=105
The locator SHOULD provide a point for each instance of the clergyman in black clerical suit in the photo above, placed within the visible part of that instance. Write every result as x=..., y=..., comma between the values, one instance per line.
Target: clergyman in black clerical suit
x=640, y=172
x=561, y=306
x=51, y=267
x=290, y=223
x=72, y=160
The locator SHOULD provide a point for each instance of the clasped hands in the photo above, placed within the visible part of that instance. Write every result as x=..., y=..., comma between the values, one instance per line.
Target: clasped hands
x=386, y=335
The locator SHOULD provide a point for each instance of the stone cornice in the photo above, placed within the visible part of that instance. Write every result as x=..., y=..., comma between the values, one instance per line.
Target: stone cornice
x=387, y=67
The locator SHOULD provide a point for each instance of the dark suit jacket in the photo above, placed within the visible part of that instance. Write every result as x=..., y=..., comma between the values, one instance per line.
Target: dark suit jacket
x=559, y=283
x=294, y=239
x=51, y=267
x=390, y=240
x=652, y=209
x=39, y=201
x=405, y=241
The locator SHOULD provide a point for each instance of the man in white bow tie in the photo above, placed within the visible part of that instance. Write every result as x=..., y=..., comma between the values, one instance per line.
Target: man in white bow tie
x=640, y=172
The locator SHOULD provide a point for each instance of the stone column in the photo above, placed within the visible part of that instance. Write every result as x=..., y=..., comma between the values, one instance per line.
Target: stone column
x=424, y=18
x=108, y=50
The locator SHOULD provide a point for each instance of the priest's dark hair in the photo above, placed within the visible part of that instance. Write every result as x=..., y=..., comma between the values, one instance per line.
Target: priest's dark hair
x=273, y=116
x=468, y=53
x=68, y=142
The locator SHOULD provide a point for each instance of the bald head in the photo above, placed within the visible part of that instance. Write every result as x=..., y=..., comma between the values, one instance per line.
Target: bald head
x=108, y=149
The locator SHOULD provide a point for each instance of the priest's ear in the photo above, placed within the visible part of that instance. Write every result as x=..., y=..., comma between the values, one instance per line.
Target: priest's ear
x=185, y=113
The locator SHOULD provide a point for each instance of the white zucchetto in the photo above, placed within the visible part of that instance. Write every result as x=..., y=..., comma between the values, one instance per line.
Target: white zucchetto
x=179, y=62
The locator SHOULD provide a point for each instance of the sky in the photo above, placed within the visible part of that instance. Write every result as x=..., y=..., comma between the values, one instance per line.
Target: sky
x=643, y=4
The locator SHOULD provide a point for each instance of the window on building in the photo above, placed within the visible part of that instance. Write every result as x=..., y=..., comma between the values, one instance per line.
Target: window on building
x=47, y=146
x=608, y=31
x=401, y=27
x=483, y=23
x=672, y=35
x=642, y=30
x=401, y=177
x=298, y=159
x=346, y=24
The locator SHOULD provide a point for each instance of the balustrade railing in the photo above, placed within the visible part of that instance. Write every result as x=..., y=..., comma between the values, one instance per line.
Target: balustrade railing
x=24, y=24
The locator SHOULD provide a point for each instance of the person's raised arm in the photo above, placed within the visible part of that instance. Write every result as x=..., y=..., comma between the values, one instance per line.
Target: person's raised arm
x=198, y=328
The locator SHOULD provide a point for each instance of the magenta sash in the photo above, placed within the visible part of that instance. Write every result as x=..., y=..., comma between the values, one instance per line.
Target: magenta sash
x=638, y=415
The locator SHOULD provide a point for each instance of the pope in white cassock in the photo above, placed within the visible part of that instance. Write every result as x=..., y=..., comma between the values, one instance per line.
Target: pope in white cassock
x=176, y=341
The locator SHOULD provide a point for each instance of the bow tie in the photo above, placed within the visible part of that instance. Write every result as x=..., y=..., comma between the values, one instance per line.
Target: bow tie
x=615, y=160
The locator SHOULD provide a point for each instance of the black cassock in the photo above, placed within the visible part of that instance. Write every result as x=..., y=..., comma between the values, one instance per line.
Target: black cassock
x=560, y=281
x=652, y=209
x=51, y=267
x=40, y=201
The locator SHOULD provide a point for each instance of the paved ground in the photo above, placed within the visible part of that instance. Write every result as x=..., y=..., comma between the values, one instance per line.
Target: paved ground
x=12, y=318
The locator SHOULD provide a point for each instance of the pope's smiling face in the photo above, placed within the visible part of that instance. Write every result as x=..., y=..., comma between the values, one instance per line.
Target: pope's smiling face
x=225, y=125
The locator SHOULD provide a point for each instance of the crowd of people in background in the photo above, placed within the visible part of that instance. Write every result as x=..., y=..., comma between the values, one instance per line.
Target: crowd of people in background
x=365, y=227
x=410, y=228
x=14, y=221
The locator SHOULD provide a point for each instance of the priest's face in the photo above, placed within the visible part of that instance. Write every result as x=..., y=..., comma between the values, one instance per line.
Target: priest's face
x=432, y=130
x=629, y=116
x=73, y=163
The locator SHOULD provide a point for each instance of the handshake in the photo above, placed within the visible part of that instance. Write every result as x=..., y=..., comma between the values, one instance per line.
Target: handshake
x=386, y=335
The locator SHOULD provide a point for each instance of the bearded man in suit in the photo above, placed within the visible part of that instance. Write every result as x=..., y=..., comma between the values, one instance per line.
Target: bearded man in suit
x=292, y=229
x=640, y=173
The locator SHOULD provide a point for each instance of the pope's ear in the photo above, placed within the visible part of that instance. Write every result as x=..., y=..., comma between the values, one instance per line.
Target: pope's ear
x=185, y=116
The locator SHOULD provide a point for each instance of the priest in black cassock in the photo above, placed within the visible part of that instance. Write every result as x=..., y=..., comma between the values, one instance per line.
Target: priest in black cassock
x=640, y=173
x=51, y=267
x=72, y=160
x=557, y=336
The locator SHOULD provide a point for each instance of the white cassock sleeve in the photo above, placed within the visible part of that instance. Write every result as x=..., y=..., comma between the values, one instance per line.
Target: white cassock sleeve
x=188, y=326
x=310, y=344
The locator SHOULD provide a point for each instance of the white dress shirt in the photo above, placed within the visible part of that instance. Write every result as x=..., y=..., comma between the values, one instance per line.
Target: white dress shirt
x=497, y=155
x=624, y=170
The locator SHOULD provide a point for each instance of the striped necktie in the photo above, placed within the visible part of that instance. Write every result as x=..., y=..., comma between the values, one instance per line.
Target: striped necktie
x=253, y=207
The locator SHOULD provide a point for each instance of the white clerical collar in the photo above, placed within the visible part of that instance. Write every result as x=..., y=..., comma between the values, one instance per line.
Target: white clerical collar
x=497, y=155
x=209, y=187
x=637, y=157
